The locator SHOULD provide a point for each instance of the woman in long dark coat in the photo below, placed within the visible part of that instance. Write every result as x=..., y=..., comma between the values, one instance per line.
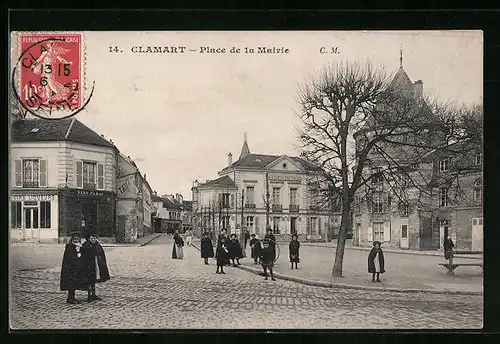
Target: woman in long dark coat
x=293, y=247
x=206, y=248
x=221, y=255
x=73, y=276
x=256, y=247
x=376, y=261
x=95, y=265
x=235, y=251
x=177, y=251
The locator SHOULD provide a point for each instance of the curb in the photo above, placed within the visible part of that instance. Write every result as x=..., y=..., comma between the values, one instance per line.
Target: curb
x=416, y=253
x=149, y=240
x=331, y=285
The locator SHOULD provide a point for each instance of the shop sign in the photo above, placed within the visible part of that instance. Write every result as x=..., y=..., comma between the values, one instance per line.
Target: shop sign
x=25, y=198
x=285, y=178
x=89, y=193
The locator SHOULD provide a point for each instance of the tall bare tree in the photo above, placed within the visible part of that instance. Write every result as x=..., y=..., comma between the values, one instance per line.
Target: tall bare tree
x=355, y=117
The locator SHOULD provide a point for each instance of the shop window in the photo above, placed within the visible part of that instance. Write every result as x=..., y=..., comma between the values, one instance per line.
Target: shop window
x=15, y=214
x=45, y=214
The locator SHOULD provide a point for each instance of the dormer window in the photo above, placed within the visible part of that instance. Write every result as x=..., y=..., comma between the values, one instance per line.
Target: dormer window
x=35, y=130
x=444, y=165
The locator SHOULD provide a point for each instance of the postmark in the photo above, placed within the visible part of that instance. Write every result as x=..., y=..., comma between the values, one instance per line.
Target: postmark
x=47, y=77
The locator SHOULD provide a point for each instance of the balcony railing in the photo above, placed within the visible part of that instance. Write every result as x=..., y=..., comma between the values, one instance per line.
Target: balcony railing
x=89, y=186
x=30, y=184
x=277, y=208
x=294, y=208
x=250, y=205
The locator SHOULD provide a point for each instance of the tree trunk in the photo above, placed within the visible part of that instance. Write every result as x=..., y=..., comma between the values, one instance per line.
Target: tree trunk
x=344, y=226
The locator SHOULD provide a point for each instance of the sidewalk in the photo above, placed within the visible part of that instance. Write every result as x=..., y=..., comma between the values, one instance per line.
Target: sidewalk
x=435, y=253
x=139, y=242
x=404, y=272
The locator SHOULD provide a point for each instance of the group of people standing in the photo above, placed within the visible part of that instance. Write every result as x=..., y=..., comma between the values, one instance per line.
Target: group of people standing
x=229, y=251
x=83, y=266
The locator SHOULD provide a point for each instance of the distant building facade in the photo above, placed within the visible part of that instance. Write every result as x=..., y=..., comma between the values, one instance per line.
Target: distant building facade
x=168, y=217
x=259, y=191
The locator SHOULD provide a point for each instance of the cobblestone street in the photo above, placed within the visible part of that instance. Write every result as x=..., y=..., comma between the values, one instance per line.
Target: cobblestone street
x=149, y=290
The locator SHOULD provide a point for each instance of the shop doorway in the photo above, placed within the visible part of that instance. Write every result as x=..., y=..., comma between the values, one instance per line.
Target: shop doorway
x=31, y=223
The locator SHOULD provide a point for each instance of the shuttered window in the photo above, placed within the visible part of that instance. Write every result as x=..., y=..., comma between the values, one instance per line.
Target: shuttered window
x=79, y=174
x=18, y=174
x=100, y=176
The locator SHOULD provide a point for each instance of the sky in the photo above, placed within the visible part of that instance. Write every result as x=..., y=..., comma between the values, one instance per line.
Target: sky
x=179, y=115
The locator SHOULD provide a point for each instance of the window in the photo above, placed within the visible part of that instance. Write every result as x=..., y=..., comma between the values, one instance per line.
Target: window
x=404, y=209
x=378, y=204
x=404, y=138
x=250, y=195
x=314, y=221
x=45, y=215
x=389, y=201
x=293, y=196
x=377, y=176
x=443, y=165
x=15, y=214
x=478, y=160
x=357, y=204
x=443, y=193
x=249, y=221
x=225, y=200
x=34, y=173
x=276, y=225
x=232, y=200
x=276, y=195
x=89, y=175
x=404, y=231
x=378, y=231
x=478, y=191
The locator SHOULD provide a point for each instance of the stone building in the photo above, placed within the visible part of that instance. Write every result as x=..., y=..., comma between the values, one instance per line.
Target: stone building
x=421, y=216
x=259, y=191
x=134, y=204
x=63, y=178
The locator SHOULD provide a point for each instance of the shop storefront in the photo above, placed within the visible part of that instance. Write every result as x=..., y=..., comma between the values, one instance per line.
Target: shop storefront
x=86, y=210
x=34, y=216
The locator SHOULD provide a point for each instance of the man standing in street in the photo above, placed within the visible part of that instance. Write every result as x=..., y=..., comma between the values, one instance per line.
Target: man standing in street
x=246, y=238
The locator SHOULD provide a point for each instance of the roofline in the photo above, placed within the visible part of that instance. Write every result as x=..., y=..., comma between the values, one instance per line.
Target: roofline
x=66, y=140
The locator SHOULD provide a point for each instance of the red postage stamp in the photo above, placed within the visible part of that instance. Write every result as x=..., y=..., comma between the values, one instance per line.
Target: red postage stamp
x=50, y=72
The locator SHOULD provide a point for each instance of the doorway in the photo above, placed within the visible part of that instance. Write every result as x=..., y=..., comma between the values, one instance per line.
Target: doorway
x=31, y=223
x=89, y=217
x=443, y=232
x=404, y=236
x=293, y=225
x=477, y=234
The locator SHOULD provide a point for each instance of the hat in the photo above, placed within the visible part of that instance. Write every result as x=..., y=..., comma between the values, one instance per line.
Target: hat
x=75, y=234
x=377, y=242
x=295, y=235
x=233, y=235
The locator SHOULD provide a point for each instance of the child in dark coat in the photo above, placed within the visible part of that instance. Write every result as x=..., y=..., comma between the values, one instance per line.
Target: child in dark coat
x=206, y=248
x=267, y=258
x=256, y=247
x=294, y=250
x=73, y=275
x=376, y=261
x=95, y=265
x=221, y=255
x=235, y=251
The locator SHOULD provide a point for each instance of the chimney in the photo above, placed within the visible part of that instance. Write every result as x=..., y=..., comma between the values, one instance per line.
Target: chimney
x=229, y=159
x=418, y=89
